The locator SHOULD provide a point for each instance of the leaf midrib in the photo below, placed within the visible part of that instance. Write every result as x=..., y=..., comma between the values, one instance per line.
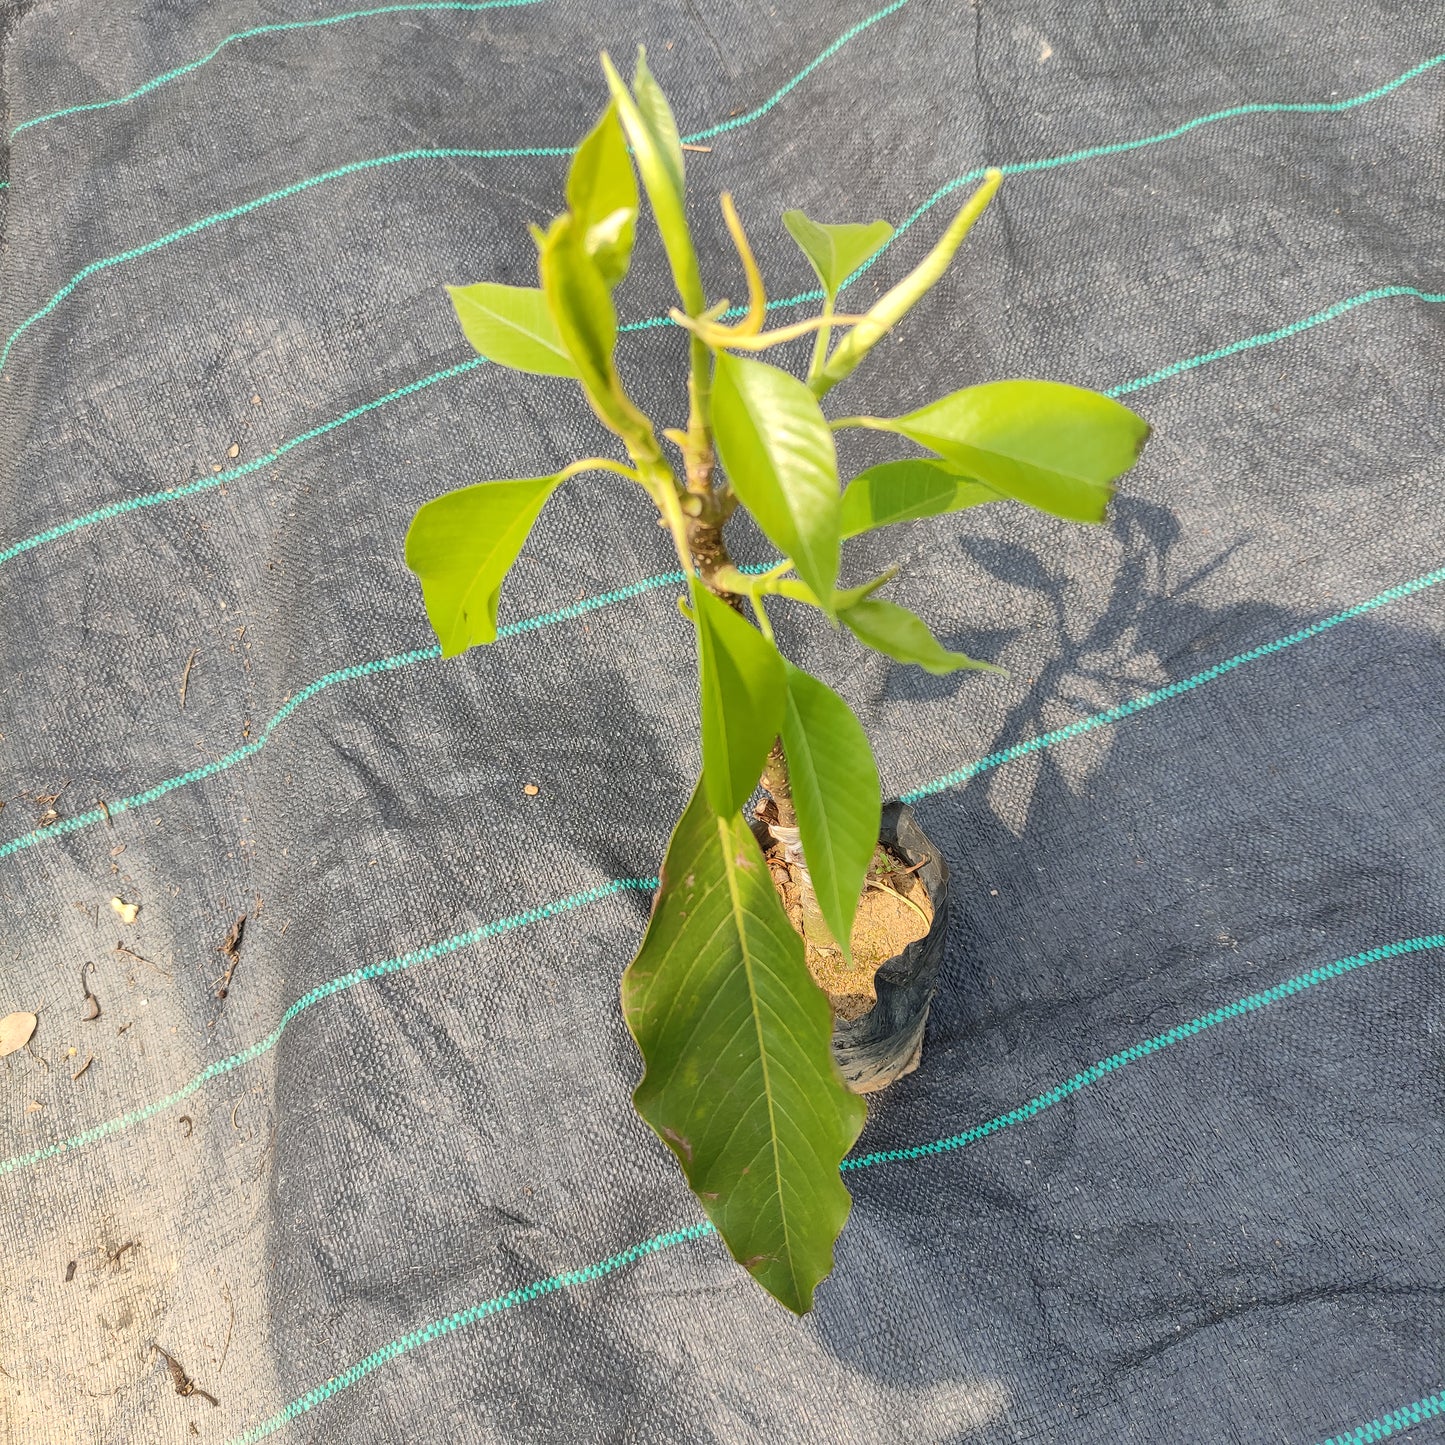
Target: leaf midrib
x=739, y=913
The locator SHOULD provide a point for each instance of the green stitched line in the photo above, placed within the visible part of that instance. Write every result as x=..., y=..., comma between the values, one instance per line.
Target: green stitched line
x=648, y=584
x=798, y=79
x=1267, y=337
x=1135, y=1052
x=1432, y=1407
x=151, y=499
x=572, y=1279
x=1019, y=168
x=342, y=674
x=1013, y=168
x=231, y=474
x=356, y=166
x=449, y=153
x=181, y=70
x=428, y=954
x=439, y=1329
x=1174, y=689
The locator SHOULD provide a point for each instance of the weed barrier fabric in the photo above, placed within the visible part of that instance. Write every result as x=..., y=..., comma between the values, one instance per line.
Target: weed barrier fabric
x=1184, y=1060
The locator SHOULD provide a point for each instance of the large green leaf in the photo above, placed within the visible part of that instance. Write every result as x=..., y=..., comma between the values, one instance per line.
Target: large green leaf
x=512, y=326
x=904, y=636
x=835, y=792
x=1056, y=447
x=602, y=195
x=461, y=547
x=901, y=491
x=741, y=682
x=781, y=462
x=836, y=251
x=739, y=1077
x=652, y=133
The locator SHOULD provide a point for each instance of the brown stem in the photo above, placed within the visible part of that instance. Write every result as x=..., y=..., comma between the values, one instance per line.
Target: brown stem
x=779, y=786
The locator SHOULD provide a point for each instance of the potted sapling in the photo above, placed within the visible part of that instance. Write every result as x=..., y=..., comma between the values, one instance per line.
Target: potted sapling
x=794, y=943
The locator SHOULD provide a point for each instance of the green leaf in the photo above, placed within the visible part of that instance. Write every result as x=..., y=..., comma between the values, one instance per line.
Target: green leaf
x=1056, y=447
x=835, y=792
x=602, y=195
x=512, y=326
x=904, y=636
x=652, y=133
x=461, y=546
x=581, y=305
x=902, y=491
x=740, y=1081
x=781, y=461
x=836, y=251
x=741, y=682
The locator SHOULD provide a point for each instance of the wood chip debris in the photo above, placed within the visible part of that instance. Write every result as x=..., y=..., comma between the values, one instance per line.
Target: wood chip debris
x=15, y=1031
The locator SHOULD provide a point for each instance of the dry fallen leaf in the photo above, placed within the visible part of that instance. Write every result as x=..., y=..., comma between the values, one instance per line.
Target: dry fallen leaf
x=234, y=450
x=15, y=1031
x=126, y=910
x=33, y=1108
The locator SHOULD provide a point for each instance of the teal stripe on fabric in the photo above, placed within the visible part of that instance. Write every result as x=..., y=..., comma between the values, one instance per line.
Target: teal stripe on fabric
x=428, y=954
x=1268, y=338
x=572, y=1279
x=1174, y=689
x=1431, y=1407
x=353, y=673
x=668, y=579
x=1012, y=168
x=231, y=474
x=152, y=499
x=741, y=120
x=354, y=168
x=1069, y=1087
x=276, y=29
x=1020, y=168
x=439, y=1329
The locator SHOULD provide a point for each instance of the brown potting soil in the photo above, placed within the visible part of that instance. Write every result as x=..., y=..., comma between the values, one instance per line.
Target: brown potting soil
x=893, y=912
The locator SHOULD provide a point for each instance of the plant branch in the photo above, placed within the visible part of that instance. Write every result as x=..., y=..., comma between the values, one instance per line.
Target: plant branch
x=752, y=323
x=725, y=338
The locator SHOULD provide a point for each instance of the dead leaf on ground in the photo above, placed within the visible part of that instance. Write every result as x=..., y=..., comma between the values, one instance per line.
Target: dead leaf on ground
x=127, y=911
x=33, y=1108
x=15, y=1031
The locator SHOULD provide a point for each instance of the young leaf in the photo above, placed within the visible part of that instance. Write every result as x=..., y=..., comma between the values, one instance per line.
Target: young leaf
x=835, y=792
x=781, y=461
x=739, y=1077
x=511, y=326
x=899, y=300
x=904, y=636
x=580, y=302
x=602, y=195
x=652, y=133
x=461, y=546
x=902, y=491
x=741, y=683
x=1053, y=446
x=835, y=252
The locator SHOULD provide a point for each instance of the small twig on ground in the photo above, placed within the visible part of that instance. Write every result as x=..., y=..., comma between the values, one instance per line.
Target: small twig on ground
x=89, y=1060
x=131, y=953
x=230, y=948
x=185, y=1386
x=115, y=1257
x=186, y=678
